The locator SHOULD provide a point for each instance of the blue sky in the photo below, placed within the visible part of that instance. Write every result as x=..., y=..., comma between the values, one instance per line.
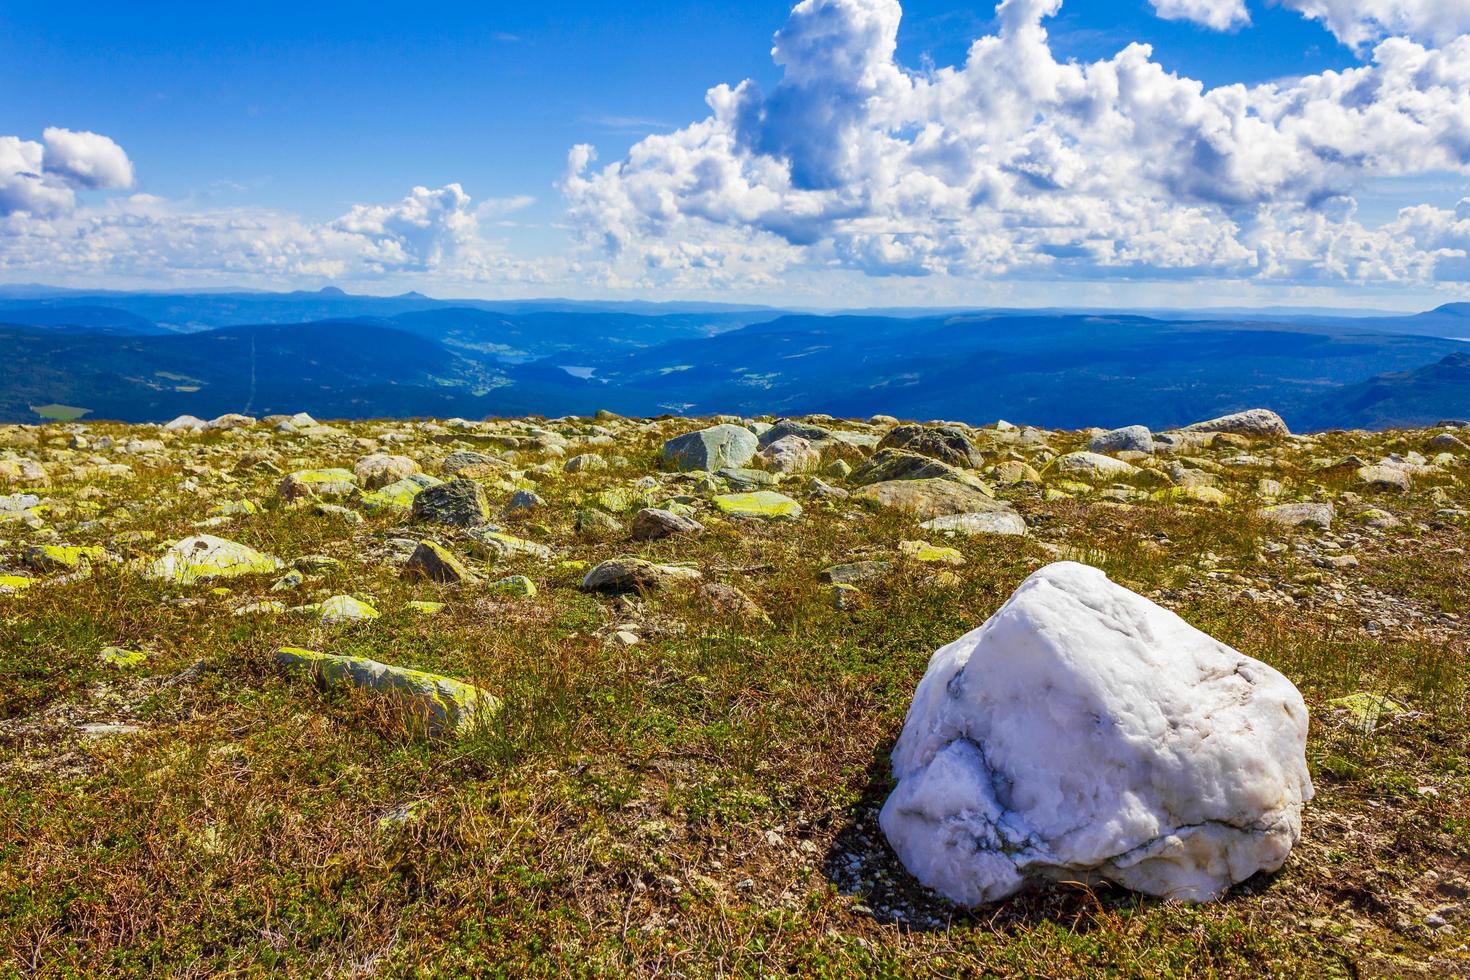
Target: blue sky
x=306, y=112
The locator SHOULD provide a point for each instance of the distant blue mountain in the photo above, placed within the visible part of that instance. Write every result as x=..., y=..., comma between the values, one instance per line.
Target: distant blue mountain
x=142, y=357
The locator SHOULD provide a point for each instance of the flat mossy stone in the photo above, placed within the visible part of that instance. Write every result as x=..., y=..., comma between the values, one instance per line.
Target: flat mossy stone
x=10, y=584
x=1208, y=496
x=513, y=585
x=440, y=705
x=432, y=561
x=397, y=496
x=759, y=505
x=923, y=551
x=63, y=557
x=497, y=544
x=340, y=609
x=204, y=557
x=118, y=657
x=1365, y=711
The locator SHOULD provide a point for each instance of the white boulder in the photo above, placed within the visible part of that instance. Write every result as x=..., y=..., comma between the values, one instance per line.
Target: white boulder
x=186, y=423
x=1084, y=733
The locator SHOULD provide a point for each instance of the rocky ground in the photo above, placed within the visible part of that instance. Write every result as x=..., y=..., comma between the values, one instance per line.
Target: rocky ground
x=604, y=695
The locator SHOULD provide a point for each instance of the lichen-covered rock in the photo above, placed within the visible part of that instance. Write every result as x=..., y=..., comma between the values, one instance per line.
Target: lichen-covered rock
x=923, y=551
x=767, y=505
x=1094, y=466
x=927, y=499
x=490, y=543
x=1016, y=471
x=726, y=601
x=524, y=500
x=993, y=522
x=1130, y=438
x=584, y=463
x=63, y=557
x=1392, y=479
x=15, y=584
x=469, y=462
x=794, y=427
x=742, y=479
x=513, y=586
x=312, y=484
x=590, y=520
x=397, y=496
x=26, y=472
x=711, y=449
x=442, y=705
x=946, y=443
x=436, y=563
x=458, y=503
x=1191, y=494
x=1257, y=423
x=1084, y=733
x=650, y=524
x=345, y=609
x=204, y=557
x=184, y=423
x=899, y=464
x=121, y=658
x=340, y=609
x=380, y=469
x=626, y=574
x=1306, y=514
x=230, y=420
x=792, y=454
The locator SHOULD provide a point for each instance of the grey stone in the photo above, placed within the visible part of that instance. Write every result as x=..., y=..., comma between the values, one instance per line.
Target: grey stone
x=650, y=524
x=927, y=499
x=618, y=575
x=946, y=443
x=460, y=503
x=1258, y=423
x=900, y=464
x=711, y=449
x=992, y=522
x=1132, y=438
x=1306, y=514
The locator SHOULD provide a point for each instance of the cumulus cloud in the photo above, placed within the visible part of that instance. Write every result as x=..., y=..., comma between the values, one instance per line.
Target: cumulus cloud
x=419, y=232
x=1221, y=15
x=1016, y=163
x=87, y=160
x=1362, y=22
x=50, y=231
x=43, y=178
x=1356, y=23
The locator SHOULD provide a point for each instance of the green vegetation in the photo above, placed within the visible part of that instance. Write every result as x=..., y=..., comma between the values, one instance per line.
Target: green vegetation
x=60, y=413
x=672, y=784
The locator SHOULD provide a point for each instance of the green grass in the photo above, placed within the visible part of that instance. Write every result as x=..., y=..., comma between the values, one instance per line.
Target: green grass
x=60, y=413
x=680, y=806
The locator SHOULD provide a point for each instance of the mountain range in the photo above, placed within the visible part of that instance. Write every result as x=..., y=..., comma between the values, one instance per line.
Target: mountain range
x=151, y=356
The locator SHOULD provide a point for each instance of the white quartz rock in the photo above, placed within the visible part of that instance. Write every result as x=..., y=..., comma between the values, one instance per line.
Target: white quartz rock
x=1084, y=733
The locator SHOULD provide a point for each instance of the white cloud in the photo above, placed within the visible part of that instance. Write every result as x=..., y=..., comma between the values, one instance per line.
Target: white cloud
x=87, y=160
x=47, y=232
x=1357, y=23
x=43, y=178
x=431, y=236
x=23, y=187
x=1016, y=164
x=421, y=231
x=1221, y=15
x=1362, y=22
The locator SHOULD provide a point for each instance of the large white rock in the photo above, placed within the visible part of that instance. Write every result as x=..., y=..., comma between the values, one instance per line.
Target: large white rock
x=1084, y=733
